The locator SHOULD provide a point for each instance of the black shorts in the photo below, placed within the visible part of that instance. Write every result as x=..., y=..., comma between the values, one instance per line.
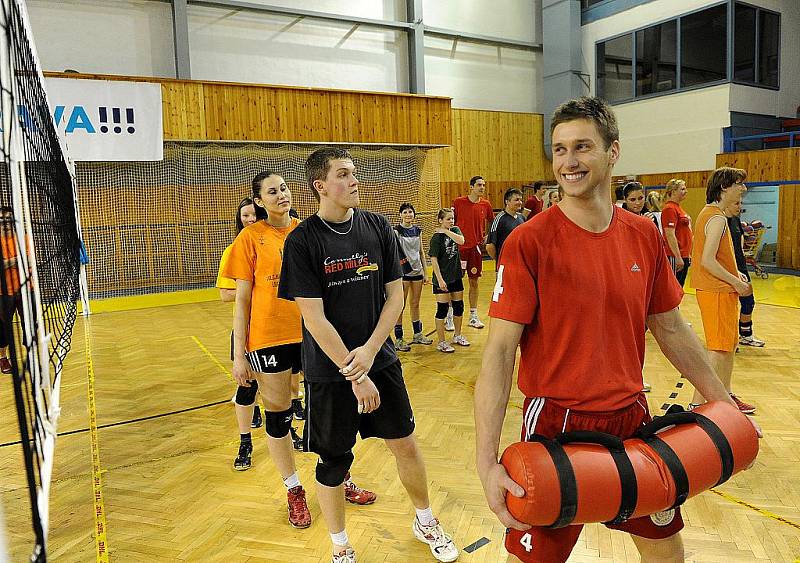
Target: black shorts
x=332, y=418
x=275, y=359
x=452, y=287
x=412, y=278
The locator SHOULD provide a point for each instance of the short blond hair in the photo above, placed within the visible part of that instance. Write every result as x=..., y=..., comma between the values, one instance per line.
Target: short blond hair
x=672, y=185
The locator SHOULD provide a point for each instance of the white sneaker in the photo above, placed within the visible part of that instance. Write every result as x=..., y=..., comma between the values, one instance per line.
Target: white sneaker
x=420, y=338
x=646, y=387
x=402, y=346
x=474, y=321
x=445, y=347
x=448, y=322
x=347, y=556
x=460, y=340
x=751, y=341
x=442, y=546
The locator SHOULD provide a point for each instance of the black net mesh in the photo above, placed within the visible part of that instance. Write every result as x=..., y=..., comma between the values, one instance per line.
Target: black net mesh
x=162, y=226
x=39, y=285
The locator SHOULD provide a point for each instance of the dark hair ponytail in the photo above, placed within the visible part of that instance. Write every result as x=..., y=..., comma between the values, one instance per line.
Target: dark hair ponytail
x=242, y=204
x=261, y=213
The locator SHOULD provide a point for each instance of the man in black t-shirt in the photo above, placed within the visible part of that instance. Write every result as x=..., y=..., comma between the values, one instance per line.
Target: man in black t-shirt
x=505, y=222
x=341, y=267
x=747, y=302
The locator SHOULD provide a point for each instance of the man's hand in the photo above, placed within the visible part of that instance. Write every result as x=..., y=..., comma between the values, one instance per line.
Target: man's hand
x=367, y=395
x=358, y=362
x=679, y=264
x=496, y=482
x=241, y=372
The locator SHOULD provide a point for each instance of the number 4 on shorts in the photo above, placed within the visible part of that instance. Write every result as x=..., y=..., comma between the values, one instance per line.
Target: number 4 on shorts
x=527, y=542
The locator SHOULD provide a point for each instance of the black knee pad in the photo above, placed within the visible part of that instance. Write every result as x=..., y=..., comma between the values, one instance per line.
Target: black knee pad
x=441, y=310
x=277, y=424
x=331, y=472
x=458, y=308
x=748, y=304
x=246, y=396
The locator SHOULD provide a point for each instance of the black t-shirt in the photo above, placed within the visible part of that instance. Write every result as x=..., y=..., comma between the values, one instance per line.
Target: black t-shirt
x=348, y=272
x=501, y=227
x=445, y=250
x=737, y=232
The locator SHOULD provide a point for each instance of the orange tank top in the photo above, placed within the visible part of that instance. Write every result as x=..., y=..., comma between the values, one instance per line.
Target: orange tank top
x=702, y=278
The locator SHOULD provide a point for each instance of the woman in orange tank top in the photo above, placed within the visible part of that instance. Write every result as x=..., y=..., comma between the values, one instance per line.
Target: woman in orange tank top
x=717, y=282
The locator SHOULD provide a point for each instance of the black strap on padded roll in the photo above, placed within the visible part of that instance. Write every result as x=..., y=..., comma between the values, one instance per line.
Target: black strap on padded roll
x=566, y=480
x=713, y=431
x=627, y=476
x=722, y=444
x=675, y=467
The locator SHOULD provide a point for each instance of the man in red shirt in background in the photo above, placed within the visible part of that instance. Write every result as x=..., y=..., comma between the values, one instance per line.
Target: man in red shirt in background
x=534, y=204
x=575, y=291
x=473, y=215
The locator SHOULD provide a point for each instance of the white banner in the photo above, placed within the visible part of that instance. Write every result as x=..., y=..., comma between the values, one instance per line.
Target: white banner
x=108, y=120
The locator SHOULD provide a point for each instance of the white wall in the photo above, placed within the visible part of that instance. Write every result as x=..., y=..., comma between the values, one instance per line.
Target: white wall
x=131, y=37
x=134, y=37
x=482, y=76
x=511, y=19
x=673, y=133
x=271, y=49
x=373, y=9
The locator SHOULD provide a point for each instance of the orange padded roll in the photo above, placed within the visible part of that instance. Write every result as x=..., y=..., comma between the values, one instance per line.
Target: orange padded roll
x=583, y=477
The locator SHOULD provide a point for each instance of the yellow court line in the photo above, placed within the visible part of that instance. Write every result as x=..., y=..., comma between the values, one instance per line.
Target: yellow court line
x=761, y=511
x=213, y=358
x=100, y=526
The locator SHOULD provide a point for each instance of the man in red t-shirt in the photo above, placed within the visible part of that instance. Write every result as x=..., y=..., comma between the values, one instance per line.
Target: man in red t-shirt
x=576, y=290
x=535, y=203
x=473, y=215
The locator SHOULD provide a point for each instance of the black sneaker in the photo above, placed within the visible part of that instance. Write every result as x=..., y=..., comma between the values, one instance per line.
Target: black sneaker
x=297, y=409
x=243, y=461
x=257, y=421
x=297, y=441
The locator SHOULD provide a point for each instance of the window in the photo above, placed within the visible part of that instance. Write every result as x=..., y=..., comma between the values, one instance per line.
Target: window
x=756, y=45
x=614, y=68
x=656, y=58
x=589, y=3
x=744, y=43
x=661, y=62
x=704, y=37
x=769, y=47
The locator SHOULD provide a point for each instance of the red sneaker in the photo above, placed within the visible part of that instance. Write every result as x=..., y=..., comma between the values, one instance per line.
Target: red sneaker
x=356, y=495
x=5, y=365
x=744, y=407
x=299, y=515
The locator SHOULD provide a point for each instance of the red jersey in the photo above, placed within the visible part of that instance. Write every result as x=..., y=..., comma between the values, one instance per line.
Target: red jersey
x=583, y=298
x=674, y=217
x=472, y=219
x=534, y=205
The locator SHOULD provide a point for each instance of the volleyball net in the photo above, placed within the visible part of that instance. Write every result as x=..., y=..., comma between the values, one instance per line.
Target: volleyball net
x=39, y=271
x=162, y=226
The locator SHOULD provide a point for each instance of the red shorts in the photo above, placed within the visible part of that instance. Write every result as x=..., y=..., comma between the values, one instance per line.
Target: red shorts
x=544, y=417
x=471, y=260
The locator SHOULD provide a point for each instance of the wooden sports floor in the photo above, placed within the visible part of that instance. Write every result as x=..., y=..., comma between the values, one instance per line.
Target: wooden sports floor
x=166, y=438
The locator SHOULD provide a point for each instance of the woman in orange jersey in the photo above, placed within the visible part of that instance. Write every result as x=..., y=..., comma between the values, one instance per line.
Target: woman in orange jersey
x=10, y=290
x=267, y=332
x=247, y=413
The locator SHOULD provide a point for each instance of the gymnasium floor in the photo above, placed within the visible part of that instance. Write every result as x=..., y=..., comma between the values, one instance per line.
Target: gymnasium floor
x=167, y=437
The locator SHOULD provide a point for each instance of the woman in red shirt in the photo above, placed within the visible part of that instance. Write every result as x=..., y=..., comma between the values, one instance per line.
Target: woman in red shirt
x=677, y=227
